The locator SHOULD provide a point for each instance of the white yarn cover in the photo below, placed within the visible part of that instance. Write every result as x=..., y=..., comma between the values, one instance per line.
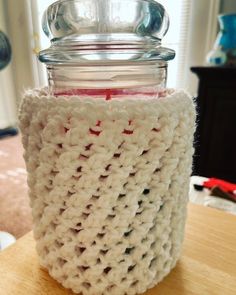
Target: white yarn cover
x=108, y=186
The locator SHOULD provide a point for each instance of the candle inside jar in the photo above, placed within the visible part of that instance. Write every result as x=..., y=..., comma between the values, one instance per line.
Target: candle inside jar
x=109, y=93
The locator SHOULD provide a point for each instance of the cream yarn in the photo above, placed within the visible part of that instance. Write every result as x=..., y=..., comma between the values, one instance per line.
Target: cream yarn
x=109, y=186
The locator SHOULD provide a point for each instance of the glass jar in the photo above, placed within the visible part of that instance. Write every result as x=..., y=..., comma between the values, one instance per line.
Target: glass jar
x=106, y=48
x=108, y=179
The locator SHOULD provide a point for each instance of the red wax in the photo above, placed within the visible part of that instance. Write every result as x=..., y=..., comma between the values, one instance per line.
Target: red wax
x=109, y=94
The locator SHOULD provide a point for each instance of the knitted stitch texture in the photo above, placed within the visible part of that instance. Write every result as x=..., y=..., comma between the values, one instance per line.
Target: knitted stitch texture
x=108, y=186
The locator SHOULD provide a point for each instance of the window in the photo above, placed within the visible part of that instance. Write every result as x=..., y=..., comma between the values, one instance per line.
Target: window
x=41, y=40
x=192, y=32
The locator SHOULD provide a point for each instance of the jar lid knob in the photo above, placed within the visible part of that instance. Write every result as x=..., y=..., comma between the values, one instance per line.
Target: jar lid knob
x=105, y=24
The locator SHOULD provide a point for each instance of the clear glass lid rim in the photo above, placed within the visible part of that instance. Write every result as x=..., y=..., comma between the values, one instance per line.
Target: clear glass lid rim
x=50, y=58
x=105, y=53
x=142, y=17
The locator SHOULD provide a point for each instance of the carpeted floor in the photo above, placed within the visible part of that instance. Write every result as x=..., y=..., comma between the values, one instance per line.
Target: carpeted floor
x=15, y=213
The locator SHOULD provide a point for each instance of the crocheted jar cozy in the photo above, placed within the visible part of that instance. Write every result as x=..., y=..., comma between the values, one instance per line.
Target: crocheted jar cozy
x=108, y=186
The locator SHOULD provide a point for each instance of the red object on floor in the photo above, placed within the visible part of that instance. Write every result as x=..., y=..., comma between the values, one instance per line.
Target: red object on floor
x=224, y=185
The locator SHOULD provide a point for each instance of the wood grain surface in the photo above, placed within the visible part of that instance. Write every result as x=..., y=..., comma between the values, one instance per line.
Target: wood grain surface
x=207, y=265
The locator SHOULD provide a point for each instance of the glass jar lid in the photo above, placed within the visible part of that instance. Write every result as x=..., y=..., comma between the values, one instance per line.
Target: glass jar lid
x=103, y=31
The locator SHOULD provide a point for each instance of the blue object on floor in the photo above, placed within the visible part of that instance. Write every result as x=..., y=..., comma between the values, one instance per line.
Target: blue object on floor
x=10, y=131
x=5, y=51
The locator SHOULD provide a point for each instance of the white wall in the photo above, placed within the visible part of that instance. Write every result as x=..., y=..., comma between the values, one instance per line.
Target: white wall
x=20, y=74
x=202, y=34
x=19, y=31
x=7, y=87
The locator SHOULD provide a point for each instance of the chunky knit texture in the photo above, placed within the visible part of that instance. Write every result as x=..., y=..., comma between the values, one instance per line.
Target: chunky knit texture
x=109, y=187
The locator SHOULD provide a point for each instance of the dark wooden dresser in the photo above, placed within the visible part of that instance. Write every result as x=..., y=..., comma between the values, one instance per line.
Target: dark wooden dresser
x=215, y=138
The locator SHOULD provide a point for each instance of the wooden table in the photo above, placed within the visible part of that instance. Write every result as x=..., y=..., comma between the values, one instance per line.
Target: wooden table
x=207, y=266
